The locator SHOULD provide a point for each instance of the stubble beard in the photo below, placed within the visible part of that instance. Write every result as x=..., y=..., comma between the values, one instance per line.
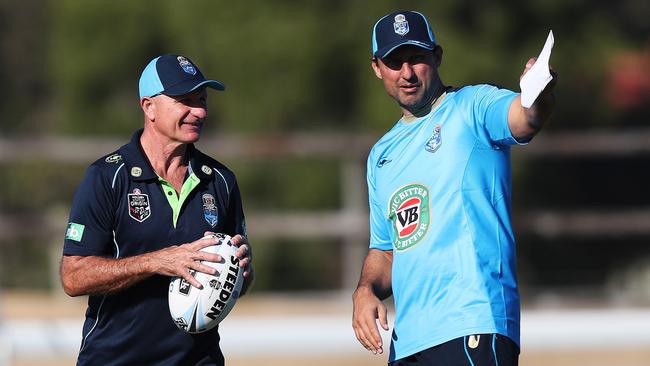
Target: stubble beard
x=416, y=105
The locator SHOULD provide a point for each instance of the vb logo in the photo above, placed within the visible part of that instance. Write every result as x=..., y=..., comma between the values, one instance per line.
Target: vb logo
x=409, y=212
x=407, y=216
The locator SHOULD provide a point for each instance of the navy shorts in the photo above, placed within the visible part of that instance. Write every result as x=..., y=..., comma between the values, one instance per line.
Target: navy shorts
x=473, y=350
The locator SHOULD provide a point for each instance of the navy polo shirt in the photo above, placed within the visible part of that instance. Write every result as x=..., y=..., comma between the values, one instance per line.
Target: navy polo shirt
x=122, y=209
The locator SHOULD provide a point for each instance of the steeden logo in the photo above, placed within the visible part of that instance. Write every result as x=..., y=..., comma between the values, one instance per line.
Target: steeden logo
x=409, y=211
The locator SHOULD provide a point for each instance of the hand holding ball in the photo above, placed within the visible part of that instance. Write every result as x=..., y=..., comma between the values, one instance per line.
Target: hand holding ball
x=197, y=310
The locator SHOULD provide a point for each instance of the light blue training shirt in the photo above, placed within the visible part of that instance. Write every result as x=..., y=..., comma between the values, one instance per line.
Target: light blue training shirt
x=439, y=191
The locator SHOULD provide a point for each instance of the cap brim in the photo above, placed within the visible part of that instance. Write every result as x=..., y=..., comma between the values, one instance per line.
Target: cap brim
x=384, y=51
x=191, y=85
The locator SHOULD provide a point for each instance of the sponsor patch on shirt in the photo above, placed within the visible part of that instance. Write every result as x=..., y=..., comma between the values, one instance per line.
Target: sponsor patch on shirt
x=74, y=231
x=409, y=211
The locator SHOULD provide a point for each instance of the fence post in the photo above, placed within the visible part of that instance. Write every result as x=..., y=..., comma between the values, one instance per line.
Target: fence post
x=354, y=197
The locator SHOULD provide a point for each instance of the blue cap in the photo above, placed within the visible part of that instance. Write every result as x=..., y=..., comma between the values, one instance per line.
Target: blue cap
x=400, y=28
x=173, y=75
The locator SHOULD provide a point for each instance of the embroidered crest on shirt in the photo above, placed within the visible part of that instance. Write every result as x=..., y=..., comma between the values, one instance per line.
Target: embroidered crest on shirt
x=401, y=26
x=139, y=208
x=434, y=142
x=210, y=212
x=408, y=209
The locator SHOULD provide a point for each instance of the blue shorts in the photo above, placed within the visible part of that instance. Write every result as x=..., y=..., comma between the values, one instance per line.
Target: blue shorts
x=473, y=350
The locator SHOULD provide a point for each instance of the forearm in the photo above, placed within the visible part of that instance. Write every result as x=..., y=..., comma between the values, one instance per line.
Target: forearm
x=98, y=275
x=524, y=123
x=376, y=274
x=539, y=112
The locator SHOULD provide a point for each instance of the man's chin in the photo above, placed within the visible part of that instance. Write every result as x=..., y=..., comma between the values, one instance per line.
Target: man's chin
x=190, y=138
x=414, y=106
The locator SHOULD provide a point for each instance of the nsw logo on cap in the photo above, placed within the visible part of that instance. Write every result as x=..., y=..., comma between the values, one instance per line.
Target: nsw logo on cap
x=186, y=65
x=401, y=26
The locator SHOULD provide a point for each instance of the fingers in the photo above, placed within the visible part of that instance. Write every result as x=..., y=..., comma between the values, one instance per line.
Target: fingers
x=531, y=62
x=183, y=259
x=239, y=240
x=383, y=317
x=367, y=310
x=187, y=259
x=365, y=328
x=375, y=337
x=189, y=277
x=203, y=243
x=243, y=252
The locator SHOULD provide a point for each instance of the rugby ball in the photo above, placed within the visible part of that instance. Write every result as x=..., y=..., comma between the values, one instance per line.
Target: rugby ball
x=197, y=310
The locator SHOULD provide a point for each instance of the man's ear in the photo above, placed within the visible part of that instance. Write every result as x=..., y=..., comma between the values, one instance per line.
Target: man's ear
x=437, y=53
x=148, y=107
x=375, y=66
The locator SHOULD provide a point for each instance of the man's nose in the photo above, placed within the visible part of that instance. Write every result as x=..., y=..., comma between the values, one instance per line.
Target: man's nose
x=407, y=70
x=200, y=112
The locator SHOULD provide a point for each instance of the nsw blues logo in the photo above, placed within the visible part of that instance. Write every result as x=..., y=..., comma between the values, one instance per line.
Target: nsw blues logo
x=409, y=211
x=401, y=26
x=433, y=143
x=210, y=212
x=139, y=208
x=186, y=65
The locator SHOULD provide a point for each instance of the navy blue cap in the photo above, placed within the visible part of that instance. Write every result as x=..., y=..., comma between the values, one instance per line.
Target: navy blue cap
x=400, y=28
x=173, y=75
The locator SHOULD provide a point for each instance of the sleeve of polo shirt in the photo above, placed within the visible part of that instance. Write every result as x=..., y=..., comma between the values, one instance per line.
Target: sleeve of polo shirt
x=89, y=231
x=490, y=110
x=380, y=227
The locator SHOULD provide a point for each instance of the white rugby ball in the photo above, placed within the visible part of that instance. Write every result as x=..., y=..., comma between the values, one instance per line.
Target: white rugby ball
x=197, y=310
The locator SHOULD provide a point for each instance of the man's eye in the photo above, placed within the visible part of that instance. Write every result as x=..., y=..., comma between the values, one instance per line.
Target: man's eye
x=417, y=59
x=393, y=64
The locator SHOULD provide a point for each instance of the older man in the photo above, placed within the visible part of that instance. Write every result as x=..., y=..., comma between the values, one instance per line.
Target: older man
x=138, y=218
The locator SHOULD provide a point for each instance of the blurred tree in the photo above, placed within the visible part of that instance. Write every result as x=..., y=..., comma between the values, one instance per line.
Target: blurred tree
x=26, y=85
x=98, y=50
x=73, y=67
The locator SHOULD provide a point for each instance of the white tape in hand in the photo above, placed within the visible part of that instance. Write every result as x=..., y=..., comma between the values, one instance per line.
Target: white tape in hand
x=536, y=79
